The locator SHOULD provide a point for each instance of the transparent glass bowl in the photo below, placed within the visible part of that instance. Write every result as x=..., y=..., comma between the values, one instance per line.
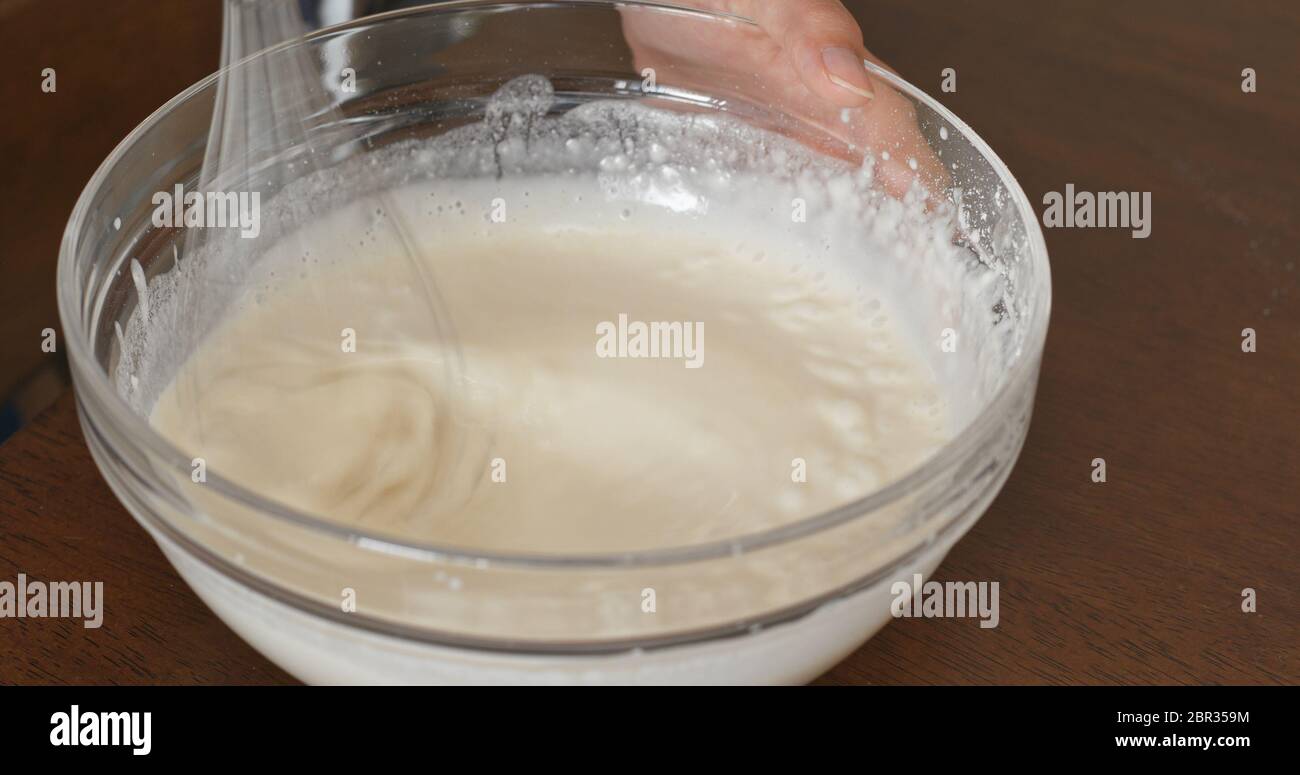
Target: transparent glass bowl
x=782, y=605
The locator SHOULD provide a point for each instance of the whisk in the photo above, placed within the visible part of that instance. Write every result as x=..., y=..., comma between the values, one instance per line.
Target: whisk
x=277, y=119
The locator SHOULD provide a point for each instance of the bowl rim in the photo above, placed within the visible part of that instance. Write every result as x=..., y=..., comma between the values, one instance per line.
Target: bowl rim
x=88, y=377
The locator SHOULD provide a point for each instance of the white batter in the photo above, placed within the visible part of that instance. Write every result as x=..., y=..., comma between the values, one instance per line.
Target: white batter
x=807, y=394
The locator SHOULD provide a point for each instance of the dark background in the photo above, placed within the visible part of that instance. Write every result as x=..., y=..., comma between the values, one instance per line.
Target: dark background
x=1135, y=580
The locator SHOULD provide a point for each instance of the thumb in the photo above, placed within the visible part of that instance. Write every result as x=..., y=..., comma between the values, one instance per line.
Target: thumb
x=824, y=43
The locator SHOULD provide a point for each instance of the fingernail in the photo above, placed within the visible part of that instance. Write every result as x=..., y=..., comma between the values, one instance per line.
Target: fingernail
x=845, y=69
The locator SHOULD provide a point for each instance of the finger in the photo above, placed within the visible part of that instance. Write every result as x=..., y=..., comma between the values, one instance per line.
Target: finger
x=823, y=41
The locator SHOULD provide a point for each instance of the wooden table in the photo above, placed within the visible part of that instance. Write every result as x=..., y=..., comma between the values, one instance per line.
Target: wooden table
x=1135, y=580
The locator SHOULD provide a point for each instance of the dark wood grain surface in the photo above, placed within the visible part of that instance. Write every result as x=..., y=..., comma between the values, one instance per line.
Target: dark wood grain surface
x=1135, y=580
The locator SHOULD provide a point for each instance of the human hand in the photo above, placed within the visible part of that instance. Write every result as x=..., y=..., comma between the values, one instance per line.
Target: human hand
x=806, y=57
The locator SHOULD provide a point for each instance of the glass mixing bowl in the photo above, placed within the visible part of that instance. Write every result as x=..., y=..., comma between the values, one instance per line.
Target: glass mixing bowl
x=781, y=605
